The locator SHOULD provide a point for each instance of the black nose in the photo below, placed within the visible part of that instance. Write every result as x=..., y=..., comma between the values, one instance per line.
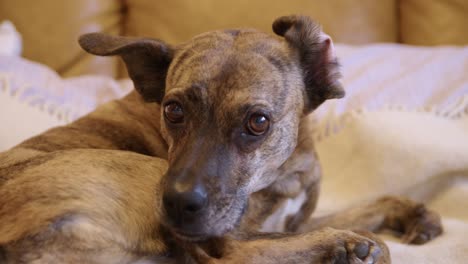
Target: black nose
x=182, y=204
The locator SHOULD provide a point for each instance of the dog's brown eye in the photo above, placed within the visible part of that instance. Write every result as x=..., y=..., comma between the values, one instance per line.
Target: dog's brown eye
x=258, y=124
x=174, y=113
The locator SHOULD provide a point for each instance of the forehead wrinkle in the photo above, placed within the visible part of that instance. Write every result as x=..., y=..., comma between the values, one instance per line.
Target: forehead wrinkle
x=177, y=63
x=197, y=96
x=197, y=52
x=187, y=70
x=244, y=72
x=266, y=89
x=201, y=68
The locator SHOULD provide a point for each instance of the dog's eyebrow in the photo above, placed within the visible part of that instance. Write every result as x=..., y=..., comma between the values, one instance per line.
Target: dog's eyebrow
x=242, y=109
x=184, y=88
x=175, y=91
x=196, y=93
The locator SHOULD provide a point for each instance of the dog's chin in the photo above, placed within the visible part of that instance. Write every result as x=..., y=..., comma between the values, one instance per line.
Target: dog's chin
x=189, y=237
x=202, y=228
x=201, y=234
x=198, y=236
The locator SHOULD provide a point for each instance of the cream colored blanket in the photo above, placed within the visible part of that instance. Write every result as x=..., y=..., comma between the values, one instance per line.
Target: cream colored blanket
x=402, y=129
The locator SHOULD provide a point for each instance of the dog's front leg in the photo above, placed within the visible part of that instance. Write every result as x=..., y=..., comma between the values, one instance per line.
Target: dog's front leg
x=417, y=224
x=322, y=246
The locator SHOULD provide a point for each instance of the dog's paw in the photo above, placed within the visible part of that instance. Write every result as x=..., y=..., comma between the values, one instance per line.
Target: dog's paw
x=359, y=247
x=360, y=252
x=417, y=224
x=421, y=226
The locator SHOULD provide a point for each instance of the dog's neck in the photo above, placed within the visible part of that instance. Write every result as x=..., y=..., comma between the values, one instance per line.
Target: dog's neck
x=142, y=123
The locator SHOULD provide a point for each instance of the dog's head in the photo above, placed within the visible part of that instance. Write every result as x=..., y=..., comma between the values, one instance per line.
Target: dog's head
x=231, y=105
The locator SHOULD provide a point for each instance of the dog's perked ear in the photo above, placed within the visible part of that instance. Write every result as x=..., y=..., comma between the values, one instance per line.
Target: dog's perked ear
x=147, y=60
x=320, y=67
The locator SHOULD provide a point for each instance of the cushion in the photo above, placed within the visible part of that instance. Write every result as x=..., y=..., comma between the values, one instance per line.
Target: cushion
x=50, y=29
x=179, y=20
x=434, y=22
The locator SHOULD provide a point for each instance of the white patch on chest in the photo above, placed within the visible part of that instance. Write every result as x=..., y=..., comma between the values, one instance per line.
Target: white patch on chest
x=276, y=221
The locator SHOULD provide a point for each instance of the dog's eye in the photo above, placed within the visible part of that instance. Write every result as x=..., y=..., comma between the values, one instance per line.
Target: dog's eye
x=258, y=124
x=174, y=113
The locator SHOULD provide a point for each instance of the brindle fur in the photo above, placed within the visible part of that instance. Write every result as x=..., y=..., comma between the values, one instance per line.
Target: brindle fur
x=90, y=192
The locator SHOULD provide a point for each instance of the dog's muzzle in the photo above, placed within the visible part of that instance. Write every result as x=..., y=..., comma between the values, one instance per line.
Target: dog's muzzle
x=185, y=204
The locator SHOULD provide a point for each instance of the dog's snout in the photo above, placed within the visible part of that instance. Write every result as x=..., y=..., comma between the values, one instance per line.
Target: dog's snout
x=184, y=203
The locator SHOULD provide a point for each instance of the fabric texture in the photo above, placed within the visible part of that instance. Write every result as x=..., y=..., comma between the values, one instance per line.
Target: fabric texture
x=417, y=154
x=397, y=77
x=402, y=129
x=34, y=98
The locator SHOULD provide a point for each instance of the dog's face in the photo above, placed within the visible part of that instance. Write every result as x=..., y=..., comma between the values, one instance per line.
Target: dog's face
x=231, y=109
x=230, y=114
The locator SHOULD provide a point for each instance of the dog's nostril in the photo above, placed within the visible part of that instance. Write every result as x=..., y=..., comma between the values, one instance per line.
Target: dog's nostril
x=180, y=204
x=193, y=202
x=191, y=208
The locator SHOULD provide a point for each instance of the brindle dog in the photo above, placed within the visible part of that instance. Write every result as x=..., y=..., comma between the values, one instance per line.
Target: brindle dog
x=189, y=167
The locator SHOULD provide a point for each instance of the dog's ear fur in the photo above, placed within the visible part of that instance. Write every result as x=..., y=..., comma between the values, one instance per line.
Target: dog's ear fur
x=147, y=60
x=317, y=58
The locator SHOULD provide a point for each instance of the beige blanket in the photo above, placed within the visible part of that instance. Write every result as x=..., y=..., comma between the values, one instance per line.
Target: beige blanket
x=402, y=129
x=420, y=155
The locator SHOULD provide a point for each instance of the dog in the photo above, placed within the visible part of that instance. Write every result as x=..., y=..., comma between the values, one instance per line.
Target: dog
x=192, y=165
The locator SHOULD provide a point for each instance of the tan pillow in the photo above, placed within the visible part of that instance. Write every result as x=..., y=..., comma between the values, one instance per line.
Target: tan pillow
x=345, y=20
x=50, y=29
x=434, y=22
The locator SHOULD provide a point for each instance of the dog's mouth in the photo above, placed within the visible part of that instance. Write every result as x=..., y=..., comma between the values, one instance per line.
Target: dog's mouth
x=188, y=236
x=197, y=232
x=212, y=222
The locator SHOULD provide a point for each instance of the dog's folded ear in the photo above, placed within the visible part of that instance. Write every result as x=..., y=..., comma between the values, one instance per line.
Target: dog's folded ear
x=320, y=67
x=147, y=60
